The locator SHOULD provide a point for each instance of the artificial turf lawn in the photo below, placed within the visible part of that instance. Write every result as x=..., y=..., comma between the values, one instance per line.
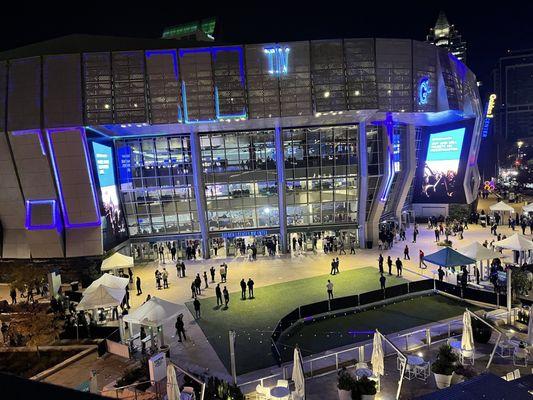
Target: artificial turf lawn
x=254, y=320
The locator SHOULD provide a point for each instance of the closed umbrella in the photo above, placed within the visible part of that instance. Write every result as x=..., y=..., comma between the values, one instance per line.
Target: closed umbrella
x=298, y=376
x=467, y=340
x=173, y=389
x=378, y=364
x=530, y=327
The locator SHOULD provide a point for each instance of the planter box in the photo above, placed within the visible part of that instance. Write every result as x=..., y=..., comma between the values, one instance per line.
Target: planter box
x=344, y=394
x=442, y=381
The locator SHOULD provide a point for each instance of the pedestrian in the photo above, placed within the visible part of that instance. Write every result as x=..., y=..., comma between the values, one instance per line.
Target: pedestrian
x=130, y=274
x=222, y=274
x=406, y=253
x=380, y=263
x=415, y=234
x=437, y=234
x=205, y=280
x=398, y=267
x=226, y=296
x=212, y=271
x=243, y=289
x=165, y=278
x=332, y=267
x=196, y=304
x=218, y=293
x=193, y=290
x=421, y=259
x=158, y=279
x=476, y=273
x=352, y=247
x=182, y=269
x=173, y=253
x=178, y=269
x=198, y=284
x=389, y=264
x=138, y=285
x=180, y=328
x=142, y=336
x=250, y=288
x=329, y=287
x=382, y=281
x=337, y=262
x=13, y=295
x=441, y=273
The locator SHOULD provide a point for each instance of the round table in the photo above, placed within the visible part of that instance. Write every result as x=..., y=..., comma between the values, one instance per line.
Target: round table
x=360, y=372
x=415, y=360
x=280, y=392
x=455, y=345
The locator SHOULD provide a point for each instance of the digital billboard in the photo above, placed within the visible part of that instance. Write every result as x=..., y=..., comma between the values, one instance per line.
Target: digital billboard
x=113, y=222
x=440, y=173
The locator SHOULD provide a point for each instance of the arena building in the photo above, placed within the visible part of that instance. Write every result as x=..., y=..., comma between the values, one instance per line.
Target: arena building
x=110, y=142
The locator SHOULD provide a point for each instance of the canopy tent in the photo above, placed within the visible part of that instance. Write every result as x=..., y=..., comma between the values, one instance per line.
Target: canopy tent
x=108, y=280
x=479, y=253
x=117, y=261
x=528, y=208
x=155, y=312
x=515, y=242
x=501, y=206
x=298, y=376
x=102, y=297
x=448, y=257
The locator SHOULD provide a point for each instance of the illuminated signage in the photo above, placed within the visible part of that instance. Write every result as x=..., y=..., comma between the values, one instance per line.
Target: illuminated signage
x=230, y=235
x=489, y=114
x=424, y=90
x=278, y=59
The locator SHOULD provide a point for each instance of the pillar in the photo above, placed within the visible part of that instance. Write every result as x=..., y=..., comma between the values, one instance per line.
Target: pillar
x=362, y=171
x=282, y=201
x=199, y=191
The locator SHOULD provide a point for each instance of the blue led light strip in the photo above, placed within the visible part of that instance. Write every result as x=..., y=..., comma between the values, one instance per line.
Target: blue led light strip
x=55, y=217
x=68, y=224
x=33, y=132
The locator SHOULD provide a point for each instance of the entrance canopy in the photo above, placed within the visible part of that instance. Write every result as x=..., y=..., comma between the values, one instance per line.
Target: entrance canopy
x=102, y=297
x=108, y=280
x=516, y=242
x=501, y=206
x=479, y=252
x=448, y=257
x=155, y=312
x=117, y=261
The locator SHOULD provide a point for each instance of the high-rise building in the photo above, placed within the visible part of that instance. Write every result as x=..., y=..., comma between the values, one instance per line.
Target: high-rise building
x=445, y=35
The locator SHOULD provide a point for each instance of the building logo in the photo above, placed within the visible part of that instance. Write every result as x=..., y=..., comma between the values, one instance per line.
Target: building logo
x=489, y=114
x=278, y=59
x=424, y=90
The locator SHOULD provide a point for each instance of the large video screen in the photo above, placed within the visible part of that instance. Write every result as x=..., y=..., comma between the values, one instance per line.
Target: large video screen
x=441, y=170
x=113, y=221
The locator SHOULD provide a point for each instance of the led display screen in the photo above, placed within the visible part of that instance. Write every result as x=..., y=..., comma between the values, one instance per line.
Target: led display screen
x=113, y=222
x=440, y=173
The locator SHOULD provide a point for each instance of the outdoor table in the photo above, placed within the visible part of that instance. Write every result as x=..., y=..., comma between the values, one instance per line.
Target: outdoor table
x=455, y=345
x=360, y=372
x=415, y=360
x=280, y=392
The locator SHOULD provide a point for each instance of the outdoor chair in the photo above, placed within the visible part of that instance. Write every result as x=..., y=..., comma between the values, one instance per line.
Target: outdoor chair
x=467, y=355
x=422, y=371
x=361, y=365
x=283, y=383
x=505, y=349
x=520, y=357
x=509, y=376
x=516, y=373
x=262, y=392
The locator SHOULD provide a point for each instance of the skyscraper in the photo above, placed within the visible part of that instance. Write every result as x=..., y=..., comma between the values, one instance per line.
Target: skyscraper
x=445, y=35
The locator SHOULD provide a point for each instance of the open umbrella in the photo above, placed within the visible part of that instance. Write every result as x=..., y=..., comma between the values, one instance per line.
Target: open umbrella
x=530, y=327
x=467, y=340
x=298, y=376
x=173, y=388
x=378, y=364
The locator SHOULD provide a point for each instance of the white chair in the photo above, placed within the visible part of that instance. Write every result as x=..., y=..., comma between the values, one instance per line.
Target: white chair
x=509, y=376
x=283, y=383
x=520, y=357
x=410, y=372
x=467, y=355
x=505, y=349
x=516, y=373
x=361, y=365
x=422, y=371
x=263, y=393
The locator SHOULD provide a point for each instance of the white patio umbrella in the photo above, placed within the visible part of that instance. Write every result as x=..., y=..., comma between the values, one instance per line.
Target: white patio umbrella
x=298, y=376
x=530, y=327
x=467, y=340
x=378, y=364
x=117, y=261
x=173, y=388
x=101, y=297
x=108, y=280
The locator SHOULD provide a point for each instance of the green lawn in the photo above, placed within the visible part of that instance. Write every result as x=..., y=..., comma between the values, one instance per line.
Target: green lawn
x=254, y=320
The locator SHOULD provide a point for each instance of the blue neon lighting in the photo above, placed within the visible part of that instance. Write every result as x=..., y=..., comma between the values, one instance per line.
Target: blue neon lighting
x=278, y=59
x=68, y=224
x=33, y=132
x=56, y=223
x=391, y=156
x=424, y=90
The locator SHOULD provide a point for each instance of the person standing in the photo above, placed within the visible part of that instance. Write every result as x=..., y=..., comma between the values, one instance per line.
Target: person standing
x=332, y=267
x=337, y=262
x=441, y=273
x=389, y=264
x=476, y=273
x=382, y=281
x=193, y=290
x=178, y=269
x=218, y=293
x=380, y=263
x=198, y=284
x=222, y=274
x=329, y=288
x=197, y=304
x=13, y=295
x=398, y=267
x=165, y=278
x=142, y=336
x=212, y=271
x=250, y=288
x=437, y=234
x=226, y=296
x=205, y=280
x=406, y=253
x=180, y=328
x=352, y=247
x=158, y=279
x=182, y=269
x=415, y=233
x=138, y=285
x=243, y=289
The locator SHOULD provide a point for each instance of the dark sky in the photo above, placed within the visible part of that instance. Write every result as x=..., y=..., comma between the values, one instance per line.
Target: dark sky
x=489, y=27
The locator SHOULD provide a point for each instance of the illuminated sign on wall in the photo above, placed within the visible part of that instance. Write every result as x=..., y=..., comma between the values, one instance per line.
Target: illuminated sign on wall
x=424, y=90
x=278, y=59
x=489, y=114
x=231, y=235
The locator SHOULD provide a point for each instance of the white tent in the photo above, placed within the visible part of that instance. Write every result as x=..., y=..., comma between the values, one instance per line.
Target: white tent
x=108, y=280
x=155, y=312
x=515, y=242
x=298, y=376
x=528, y=208
x=117, y=261
x=479, y=253
x=377, y=360
x=501, y=206
x=173, y=388
x=102, y=297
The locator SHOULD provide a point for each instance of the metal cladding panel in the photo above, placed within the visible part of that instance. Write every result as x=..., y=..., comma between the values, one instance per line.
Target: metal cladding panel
x=424, y=67
x=164, y=86
x=228, y=67
x=295, y=85
x=451, y=81
x=394, y=74
x=98, y=87
x=3, y=94
x=62, y=104
x=360, y=59
x=327, y=71
x=24, y=94
x=84, y=242
x=263, y=87
x=198, y=90
x=129, y=87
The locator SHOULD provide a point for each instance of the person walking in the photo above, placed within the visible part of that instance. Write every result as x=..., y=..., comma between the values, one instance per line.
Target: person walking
x=173, y=253
x=389, y=264
x=380, y=263
x=165, y=278
x=399, y=266
x=332, y=267
x=218, y=293
x=441, y=273
x=212, y=271
x=382, y=281
x=250, y=288
x=243, y=289
x=226, y=296
x=421, y=261
x=180, y=328
x=178, y=269
x=205, y=280
x=329, y=288
x=193, y=290
x=138, y=285
x=406, y=253
x=222, y=274
x=197, y=305
x=352, y=247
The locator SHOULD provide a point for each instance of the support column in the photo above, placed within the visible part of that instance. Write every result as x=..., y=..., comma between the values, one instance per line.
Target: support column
x=199, y=191
x=282, y=202
x=362, y=173
x=408, y=170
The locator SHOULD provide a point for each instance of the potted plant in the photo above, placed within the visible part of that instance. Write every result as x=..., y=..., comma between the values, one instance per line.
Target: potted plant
x=364, y=389
x=444, y=366
x=462, y=373
x=345, y=385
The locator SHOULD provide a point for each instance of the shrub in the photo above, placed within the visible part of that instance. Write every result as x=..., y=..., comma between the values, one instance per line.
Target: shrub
x=366, y=386
x=446, y=361
x=467, y=371
x=346, y=381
